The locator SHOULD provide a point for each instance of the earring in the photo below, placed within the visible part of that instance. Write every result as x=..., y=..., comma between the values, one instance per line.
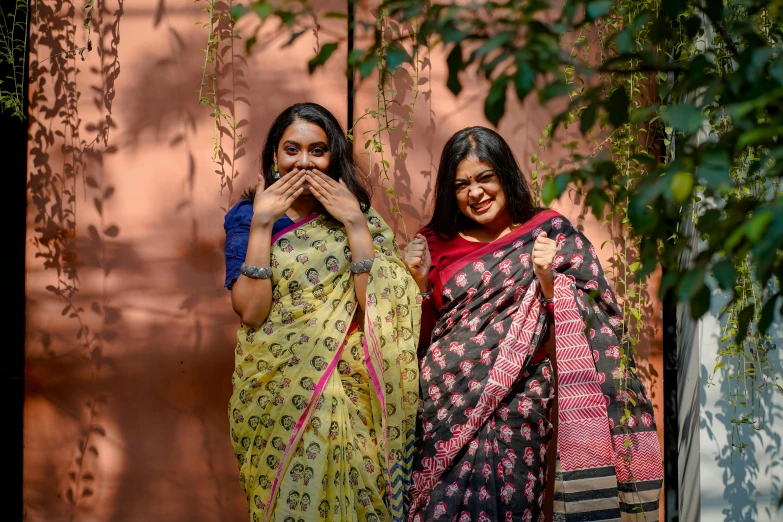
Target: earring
x=277, y=172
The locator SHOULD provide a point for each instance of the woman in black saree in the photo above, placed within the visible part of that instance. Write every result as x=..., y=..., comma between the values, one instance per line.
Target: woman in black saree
x=503, y=278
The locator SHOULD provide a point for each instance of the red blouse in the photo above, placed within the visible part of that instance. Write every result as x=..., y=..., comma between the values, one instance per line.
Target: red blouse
x=445, y=252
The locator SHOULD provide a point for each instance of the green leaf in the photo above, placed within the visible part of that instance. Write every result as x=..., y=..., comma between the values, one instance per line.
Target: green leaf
x=323, y=54
x=336, y=15
x=237, y=11
x=396, y=55
x=776, y=71
x=597, y=200
x=450, y=34
x=725, y=273
x=743, y=322
x=617, y=107
x=597, y=9
x=683, y=116
x=681, y=185
x=768, y=313
x=250, y=43
x=554, y=187
x=588, y=118
x=672, y=8
x=753, y=229
x=625, y=40
x=714, y=168
x=455, y=65
x=523, y=79
x=355, y=56
x=495, y=104
x=263, y=9
x=495, y=42
x=555, y=89
x=367, y=66
x=644, y=158
x=286, y=17
x=700, y=303
x=294, y=36
x=689, y=284
x=757, y=134
x=692, y=26
x=758, y=225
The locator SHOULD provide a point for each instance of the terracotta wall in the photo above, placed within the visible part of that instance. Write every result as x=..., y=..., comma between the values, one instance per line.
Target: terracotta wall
x=129, y=329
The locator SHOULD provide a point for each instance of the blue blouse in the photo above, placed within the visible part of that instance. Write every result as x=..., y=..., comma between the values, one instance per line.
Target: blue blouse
x=237, y=227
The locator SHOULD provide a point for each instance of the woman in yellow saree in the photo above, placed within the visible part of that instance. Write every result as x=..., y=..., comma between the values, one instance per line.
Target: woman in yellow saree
x=326, y=380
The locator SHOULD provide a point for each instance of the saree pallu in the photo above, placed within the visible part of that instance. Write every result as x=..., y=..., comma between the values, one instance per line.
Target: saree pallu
x=486, y=400
x=323, y=410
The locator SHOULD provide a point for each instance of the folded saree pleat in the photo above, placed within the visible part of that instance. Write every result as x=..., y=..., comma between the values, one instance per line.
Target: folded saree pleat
x=307, y=421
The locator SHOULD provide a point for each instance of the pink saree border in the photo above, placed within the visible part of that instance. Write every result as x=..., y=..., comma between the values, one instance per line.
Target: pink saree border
x=296, y=436
x=369, y=332
x=498, y=243
x=515, y=348
x=584, y=439
x=296, y=225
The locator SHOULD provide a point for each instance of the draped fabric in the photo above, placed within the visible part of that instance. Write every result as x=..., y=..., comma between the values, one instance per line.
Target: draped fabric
x=323, y=411
x=486, y=396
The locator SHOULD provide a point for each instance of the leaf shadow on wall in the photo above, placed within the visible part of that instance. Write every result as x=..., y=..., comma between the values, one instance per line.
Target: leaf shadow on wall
x=750, y=490
x=179, y=453
x=411, y=133
x=67, y=169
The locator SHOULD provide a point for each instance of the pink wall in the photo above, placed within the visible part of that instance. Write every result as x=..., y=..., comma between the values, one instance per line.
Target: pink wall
x=125, y=398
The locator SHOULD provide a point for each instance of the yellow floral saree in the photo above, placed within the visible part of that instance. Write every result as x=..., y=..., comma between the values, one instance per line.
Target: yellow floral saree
x=325, y=397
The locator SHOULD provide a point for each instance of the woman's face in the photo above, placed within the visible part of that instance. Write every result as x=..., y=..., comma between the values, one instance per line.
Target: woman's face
x=303, y=146
x=479, y=194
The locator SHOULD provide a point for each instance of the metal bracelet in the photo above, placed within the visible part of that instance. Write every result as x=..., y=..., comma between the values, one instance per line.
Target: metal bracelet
x=256, y=272
x=547, y=301
x=426, y=295
x=360, y=267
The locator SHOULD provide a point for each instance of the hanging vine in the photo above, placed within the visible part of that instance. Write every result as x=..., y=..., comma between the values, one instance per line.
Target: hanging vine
x=624, y=145
x=223, y=65
x=13, y=51
x=389, y=56
x=629, y=145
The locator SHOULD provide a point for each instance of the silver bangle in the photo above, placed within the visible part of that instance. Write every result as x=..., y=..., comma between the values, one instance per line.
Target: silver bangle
x=256, y=272
x=426, y=295
x=360, y=267
x=547, y=301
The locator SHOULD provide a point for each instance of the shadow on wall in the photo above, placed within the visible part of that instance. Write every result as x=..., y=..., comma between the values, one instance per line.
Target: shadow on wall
x=126, y=364
x=743, y=420
x=74, y=341
x=128, y=353
x=408, y=207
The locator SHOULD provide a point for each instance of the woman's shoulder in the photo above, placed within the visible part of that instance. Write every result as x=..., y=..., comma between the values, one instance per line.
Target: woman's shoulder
x=434, y=237
x=553, y=218
x=241, y=214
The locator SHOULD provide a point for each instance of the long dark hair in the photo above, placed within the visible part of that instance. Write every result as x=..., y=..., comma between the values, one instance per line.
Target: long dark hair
x=489, y=147
x=341, y=161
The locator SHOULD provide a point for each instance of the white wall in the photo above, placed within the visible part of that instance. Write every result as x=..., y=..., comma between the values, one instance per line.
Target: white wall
x=732, y=486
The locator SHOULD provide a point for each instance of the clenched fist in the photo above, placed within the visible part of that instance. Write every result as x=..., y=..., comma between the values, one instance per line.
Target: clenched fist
x=544, y=251
x=416, y=256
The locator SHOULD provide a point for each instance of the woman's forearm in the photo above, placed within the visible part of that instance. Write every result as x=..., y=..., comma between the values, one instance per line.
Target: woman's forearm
x=252, y=298
x=360, y=241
